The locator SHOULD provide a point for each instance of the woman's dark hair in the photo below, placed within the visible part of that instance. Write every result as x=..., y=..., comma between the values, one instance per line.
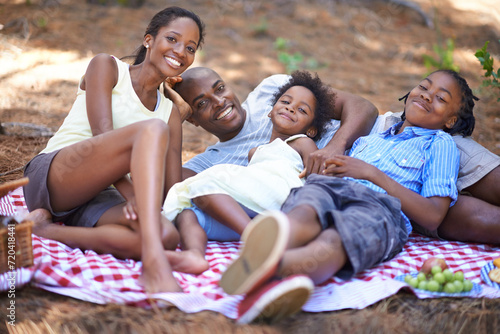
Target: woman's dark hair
x=162, y=19
x=325, y=98
x=465, y=118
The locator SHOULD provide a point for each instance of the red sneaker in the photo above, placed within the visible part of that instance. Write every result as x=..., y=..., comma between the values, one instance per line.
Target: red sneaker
x=276, y=300
x=264, y=242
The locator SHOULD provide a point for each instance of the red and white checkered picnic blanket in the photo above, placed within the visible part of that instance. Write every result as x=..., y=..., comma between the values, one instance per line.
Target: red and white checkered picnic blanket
x=104, y=279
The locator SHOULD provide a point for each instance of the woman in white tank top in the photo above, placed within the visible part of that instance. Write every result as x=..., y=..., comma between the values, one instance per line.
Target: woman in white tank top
x=118, y=152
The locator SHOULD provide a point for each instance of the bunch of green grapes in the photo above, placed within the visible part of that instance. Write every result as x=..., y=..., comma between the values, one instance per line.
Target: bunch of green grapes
x=439, y=280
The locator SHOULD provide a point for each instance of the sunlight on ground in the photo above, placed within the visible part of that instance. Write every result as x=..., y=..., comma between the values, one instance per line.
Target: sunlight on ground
x=33, y=70
x=33, y=64
x=490, y=7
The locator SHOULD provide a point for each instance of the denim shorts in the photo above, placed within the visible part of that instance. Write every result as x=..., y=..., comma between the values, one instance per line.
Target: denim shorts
x=217, y=231
x=370, y=223
x=36, y=195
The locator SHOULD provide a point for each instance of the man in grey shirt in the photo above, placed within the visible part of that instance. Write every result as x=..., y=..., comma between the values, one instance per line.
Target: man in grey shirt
x=241, y=127
x=212, y=105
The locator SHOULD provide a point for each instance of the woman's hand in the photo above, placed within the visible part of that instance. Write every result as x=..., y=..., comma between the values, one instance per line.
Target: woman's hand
x=172, y=81
x=184, y=108
x=130, y=209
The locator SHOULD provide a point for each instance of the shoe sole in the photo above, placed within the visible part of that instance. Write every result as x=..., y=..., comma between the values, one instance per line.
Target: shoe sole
x=264, y=242
x=279, y=303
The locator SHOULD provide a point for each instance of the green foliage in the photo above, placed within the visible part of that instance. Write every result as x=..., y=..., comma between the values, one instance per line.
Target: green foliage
x=293, y=61
x=443, y=49
x=281, y=44
x=444, y=59
x=261, y=28
x=485, y=59
x=42, y=22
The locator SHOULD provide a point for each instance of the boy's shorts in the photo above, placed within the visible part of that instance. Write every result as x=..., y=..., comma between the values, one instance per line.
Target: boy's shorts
x=36, y=195
x=370, y=223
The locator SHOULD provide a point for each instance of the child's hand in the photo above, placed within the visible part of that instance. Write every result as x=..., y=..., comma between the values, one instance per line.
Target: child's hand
x=342, y=165
x=317, y=160
x=130, y=210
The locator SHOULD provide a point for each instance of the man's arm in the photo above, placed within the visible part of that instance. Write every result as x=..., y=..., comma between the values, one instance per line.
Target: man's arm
x=186, y=172
x=357, y=116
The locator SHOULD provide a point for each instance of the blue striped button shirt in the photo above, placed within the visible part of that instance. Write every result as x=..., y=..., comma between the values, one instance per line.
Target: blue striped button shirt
x=423, y=160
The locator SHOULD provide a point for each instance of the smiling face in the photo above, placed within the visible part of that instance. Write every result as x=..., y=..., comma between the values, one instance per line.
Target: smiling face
x=174, y=47
x=294, y=112
x=215, y=106
x=434, y=103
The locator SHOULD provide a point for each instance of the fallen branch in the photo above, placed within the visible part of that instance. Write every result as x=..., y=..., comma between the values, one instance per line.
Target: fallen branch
x=25, y=130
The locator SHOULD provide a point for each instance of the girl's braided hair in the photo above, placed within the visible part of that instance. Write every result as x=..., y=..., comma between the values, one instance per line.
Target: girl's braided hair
x=325, y=98
x=465, y=118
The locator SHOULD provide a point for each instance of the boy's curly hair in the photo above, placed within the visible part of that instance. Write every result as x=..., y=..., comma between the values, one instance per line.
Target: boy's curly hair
x=465, y=117
x=325, y=98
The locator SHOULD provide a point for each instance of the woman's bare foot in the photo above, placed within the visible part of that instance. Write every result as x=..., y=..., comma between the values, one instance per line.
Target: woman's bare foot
x=188, y=261
x=157, y=276
x=40, y=218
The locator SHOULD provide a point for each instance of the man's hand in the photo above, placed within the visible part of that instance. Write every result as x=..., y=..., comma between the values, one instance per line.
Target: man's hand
x=184, y=108
x=316, y=162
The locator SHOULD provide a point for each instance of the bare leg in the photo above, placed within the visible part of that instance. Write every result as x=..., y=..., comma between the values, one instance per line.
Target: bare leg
x=224, y=209
x=315, y=253
x=141, y=149
x=117, y=239
x=109, y=237
x=488, y=188
x=193, y=244
x=477, y=218
x=320, y=259
x=471, y=220
x=40, y=217
x=115, y=216
x=304, y=225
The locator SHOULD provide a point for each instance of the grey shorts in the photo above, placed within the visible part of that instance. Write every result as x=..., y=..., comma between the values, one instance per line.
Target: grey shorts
x=475, y=161
x=370, y=223
x=36, y=195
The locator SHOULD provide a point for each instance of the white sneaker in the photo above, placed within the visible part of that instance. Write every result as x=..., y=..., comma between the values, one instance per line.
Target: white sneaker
x=264, y=242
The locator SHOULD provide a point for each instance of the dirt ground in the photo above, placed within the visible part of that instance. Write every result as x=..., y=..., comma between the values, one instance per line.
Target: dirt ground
x=371, y=48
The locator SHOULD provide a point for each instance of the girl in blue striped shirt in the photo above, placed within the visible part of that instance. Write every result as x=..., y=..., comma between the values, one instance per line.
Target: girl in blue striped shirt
x=356, y=214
